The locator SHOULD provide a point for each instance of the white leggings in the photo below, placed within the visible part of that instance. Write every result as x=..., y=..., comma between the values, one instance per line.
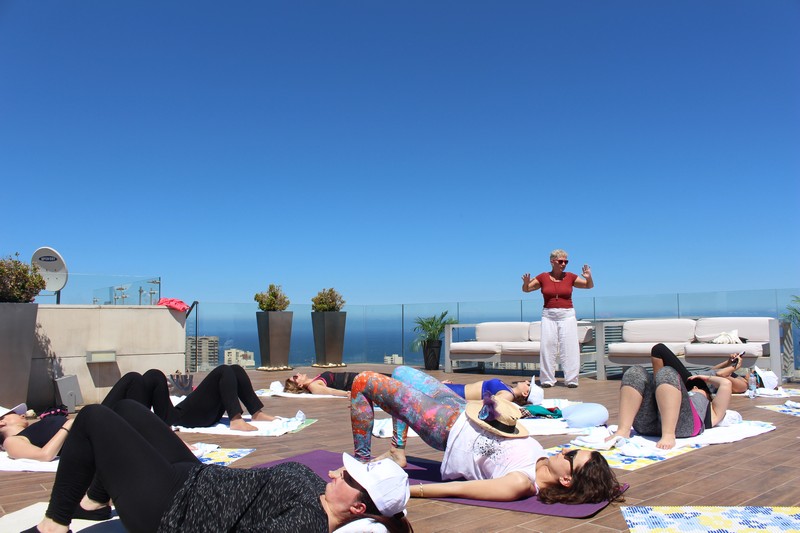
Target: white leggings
x=559, y=337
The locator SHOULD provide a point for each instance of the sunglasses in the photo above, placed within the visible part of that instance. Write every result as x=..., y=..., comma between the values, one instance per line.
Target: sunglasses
x=350, y=481
x=561, y=261
x=570, y=456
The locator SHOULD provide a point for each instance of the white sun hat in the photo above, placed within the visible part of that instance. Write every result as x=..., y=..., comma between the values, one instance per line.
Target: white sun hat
x=21, y=409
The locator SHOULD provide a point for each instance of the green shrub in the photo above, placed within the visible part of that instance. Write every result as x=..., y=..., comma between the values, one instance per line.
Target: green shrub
x=19, y=282
x=272, y=300
x=327, y=300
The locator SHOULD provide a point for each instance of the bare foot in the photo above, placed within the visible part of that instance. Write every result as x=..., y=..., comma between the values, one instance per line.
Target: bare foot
x=667, y=442
x=623, y=434
x=238, y=424
x=261, y=416
x=48, y=526
x=395, y=454
x=91, y=505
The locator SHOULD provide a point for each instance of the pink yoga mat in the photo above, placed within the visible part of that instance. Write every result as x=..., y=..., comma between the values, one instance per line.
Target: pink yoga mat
x=426, y=471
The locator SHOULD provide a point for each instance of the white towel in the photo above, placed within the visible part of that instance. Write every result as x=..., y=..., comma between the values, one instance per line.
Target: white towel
x=278, y=391
x=382, y=428
x=550, y=426
x=274, y=428
x=8, y=464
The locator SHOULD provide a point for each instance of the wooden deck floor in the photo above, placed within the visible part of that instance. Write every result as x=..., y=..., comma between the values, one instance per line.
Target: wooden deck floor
x=758, y=471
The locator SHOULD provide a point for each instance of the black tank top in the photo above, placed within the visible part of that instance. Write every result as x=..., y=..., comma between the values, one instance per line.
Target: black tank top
x=39, y=433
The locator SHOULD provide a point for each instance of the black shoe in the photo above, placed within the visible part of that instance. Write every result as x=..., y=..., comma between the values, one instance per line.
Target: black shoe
x=572, y=385
x=545, y=385
x=103, y=513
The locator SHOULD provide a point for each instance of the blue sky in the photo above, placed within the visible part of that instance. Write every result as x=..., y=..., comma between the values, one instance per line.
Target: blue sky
x=404, y=152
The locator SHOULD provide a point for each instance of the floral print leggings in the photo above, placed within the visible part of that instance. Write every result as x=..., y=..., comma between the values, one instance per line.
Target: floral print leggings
x=413, y=398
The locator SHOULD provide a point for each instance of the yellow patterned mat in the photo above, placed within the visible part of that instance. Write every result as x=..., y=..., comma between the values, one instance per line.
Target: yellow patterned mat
x=623, y=462
x=688, y=519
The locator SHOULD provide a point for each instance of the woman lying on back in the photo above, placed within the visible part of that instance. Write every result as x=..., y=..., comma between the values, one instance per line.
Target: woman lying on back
x=41, y=441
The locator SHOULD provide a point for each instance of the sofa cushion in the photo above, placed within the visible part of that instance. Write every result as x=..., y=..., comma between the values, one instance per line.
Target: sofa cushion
x=752, y=328
x=502, y=331
x=520, y=348
x=664, y=330
x=473, y=347
x=642, y=348
x=751, y=349
x=535, y=331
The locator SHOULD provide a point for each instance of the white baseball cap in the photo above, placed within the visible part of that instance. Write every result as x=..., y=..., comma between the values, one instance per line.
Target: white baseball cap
x=384, y=480
x=21, y=409
x=536, y=395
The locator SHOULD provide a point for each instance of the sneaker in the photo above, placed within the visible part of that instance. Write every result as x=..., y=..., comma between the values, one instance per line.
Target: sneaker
x=546, y=385
x=572, y=385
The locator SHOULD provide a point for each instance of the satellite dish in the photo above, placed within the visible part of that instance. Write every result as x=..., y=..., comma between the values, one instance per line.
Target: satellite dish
x=51, y=267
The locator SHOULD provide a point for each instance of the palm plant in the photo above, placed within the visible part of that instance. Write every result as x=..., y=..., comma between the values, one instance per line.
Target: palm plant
x=430, y=328
x=793, y=312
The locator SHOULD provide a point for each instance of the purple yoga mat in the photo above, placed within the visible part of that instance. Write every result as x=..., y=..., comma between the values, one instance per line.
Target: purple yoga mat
x=426, y=471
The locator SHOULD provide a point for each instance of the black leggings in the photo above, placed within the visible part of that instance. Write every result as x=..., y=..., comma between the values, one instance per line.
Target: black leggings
x=659, y=351
x=217, y=394
x=139, y=461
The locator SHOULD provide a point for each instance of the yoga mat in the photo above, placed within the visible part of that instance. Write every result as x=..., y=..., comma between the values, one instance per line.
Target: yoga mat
x=719, y=519
x=426, y=471
x=785, y=409
x=623, y=462
x=33, y=514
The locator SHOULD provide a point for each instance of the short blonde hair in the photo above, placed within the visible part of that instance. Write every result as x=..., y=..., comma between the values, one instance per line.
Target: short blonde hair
x=558, y=252
x=291, y=386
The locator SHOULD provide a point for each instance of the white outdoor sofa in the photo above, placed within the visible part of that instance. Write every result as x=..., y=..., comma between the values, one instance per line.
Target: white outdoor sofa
x=496, y=342
x=691, y=340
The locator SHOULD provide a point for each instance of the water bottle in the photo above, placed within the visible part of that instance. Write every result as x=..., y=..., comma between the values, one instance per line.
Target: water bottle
x=752, y=384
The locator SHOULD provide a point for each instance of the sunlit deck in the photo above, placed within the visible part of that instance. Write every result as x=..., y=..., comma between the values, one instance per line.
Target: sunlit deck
x=761, y=470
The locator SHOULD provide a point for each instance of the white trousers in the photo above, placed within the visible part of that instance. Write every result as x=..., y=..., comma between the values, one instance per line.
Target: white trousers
x=559, y=337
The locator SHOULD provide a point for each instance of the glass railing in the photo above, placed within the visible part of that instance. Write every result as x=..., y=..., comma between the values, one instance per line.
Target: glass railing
x=374, y=332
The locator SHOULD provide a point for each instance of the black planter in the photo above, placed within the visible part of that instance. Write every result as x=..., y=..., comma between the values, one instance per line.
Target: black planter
x=328, y=329
x=274, y=337
x=17, y=343
x=431, y=350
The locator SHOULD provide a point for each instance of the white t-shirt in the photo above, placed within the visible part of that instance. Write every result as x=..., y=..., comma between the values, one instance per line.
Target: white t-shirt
x=474, y=453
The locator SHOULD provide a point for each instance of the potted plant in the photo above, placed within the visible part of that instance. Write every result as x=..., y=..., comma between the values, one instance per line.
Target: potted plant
x=20, y=283
x=328, y=322
x=274, y=328
x=430, y=330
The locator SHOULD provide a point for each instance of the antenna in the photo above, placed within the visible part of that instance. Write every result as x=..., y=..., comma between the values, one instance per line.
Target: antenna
x=52, y=268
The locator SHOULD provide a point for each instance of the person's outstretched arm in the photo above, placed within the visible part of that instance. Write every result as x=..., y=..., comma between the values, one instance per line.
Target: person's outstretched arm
x=587, y=281
x=530, y=284
x=513, y=486
x=318, y=387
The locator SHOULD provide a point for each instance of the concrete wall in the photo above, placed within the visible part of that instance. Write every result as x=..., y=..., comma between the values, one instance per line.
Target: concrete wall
x=143, y=337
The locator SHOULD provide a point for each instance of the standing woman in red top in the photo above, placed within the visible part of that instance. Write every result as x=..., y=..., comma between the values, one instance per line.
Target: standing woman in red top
x=559, y=325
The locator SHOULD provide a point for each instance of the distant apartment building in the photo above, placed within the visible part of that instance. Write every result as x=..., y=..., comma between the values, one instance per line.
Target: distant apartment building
x=202, y=353
x=393, y=359
x=243, y=358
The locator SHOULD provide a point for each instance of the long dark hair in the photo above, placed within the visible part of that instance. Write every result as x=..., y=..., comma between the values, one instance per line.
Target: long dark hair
x=594, y=482
x=393, y=524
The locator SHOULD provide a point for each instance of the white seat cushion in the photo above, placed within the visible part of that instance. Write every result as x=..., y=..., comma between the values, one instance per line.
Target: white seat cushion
x=751, y=349
x=473, y=347
x=642, y=348
x=520, y=348
x=664, y=330
x=502, y=331
x=752, y=328
x=535, y=331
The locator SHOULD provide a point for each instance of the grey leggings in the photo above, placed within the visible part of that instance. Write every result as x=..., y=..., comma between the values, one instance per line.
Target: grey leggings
x=648, y=419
